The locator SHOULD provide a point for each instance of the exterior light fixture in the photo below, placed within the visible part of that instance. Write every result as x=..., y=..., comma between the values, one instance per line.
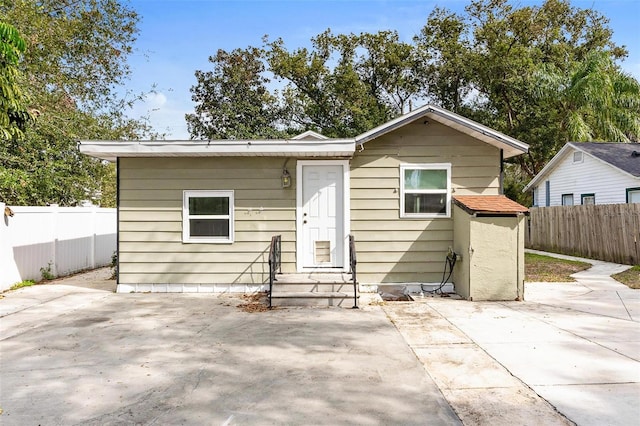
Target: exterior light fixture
x=285, y=178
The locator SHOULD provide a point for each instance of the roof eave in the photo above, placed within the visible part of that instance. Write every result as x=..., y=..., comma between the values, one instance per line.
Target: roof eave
x=111, y=150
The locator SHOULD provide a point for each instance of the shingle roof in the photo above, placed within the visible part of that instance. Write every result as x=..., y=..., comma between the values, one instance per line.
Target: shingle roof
x=489, y=204
x=625, y=156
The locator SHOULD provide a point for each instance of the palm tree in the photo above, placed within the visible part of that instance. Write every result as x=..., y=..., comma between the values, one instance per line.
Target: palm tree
x=595, y=100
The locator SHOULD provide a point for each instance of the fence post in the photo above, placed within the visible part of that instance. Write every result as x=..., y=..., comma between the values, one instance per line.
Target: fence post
x=94, y=216
x=54, y=235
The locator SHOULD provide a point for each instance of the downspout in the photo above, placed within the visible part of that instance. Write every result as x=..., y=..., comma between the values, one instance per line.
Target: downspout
x=501, y=189
x=117, y=223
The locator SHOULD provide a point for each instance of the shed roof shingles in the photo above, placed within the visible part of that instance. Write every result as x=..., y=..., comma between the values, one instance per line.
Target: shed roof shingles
x=497, y=204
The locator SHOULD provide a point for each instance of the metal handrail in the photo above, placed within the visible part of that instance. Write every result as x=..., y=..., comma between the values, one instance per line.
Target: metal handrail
x=275, y=264
x=353, y=262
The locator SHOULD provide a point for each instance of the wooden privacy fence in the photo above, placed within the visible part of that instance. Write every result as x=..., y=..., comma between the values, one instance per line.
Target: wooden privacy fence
x=609, y=232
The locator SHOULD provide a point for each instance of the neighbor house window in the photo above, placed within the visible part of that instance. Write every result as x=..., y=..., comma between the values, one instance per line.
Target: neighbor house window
x=547, y=193
x=588, y=199
x=425, y=190
x=633, y=195
x=577, y=157
x=207, y=217
x=567, y=199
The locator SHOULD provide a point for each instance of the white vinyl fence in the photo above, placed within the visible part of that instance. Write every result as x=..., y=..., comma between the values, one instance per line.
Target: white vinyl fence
x=64, y=239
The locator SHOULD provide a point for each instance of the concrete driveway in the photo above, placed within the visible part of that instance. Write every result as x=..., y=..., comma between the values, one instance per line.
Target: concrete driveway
x=571, y=347
x=77, y=355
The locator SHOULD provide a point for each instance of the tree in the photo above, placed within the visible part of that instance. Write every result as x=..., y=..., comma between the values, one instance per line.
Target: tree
x=485, y=64
x=13, y=110
x=232, y=101
x=75, y=59
x=347, y=84
x=596, y=99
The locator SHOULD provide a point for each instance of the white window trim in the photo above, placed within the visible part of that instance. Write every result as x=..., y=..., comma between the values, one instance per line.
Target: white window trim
x=428, y=166
x=186, y=238
x=579, y=158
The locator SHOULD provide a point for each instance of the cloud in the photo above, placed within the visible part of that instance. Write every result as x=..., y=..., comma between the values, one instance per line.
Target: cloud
x=165, y=114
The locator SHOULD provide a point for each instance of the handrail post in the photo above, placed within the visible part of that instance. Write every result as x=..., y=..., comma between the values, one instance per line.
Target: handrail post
x=353, y=261
x=275, y=262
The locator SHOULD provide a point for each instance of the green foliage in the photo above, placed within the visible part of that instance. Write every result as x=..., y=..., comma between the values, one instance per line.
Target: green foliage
x=596, y=84
x=13, y=111
x=46, y=272
x=75, y=58
x=25, y=283
x=232, y=101
x=486, y=65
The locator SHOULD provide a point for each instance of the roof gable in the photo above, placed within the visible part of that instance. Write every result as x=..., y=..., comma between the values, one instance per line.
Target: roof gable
x=510, y=146
x=621, y=156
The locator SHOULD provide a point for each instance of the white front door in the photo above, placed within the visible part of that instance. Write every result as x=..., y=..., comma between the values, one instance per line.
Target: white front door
x=321, y=216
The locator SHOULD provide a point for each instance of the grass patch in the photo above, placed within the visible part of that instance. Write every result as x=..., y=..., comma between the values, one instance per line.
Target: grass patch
x=630, y=277
x=25, y=283
x=538, y=268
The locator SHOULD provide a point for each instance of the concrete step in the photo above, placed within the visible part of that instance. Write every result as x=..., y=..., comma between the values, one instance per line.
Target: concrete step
x=305, y=298
x=314, y=277
x=313, y=289
x=280, y=287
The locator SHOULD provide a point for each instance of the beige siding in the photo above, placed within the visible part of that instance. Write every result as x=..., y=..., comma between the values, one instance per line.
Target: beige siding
x=151, y=247
x=394, y=250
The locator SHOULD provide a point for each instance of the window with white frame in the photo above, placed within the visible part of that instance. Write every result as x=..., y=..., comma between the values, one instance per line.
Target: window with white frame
x=425, y=190
x=588, y=199
x=577, y=157
x=633, y=195
x=207, y=217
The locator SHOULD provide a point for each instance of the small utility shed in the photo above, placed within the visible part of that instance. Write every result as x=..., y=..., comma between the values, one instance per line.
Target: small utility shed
x=489, y=239
x=199, y=216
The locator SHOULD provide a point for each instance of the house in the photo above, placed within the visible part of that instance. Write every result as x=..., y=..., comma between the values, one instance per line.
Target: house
x=589, y=173
x=196, y=216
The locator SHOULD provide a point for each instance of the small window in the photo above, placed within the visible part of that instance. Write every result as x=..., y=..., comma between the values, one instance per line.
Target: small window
x=633, y=195
x=207, y=217
x=547, y=193
x=567, y=199
x=425, y=190
x=577, y=157
x=588, y=199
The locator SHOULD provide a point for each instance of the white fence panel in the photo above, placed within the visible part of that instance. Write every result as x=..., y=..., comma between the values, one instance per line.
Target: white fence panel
x=68, y=239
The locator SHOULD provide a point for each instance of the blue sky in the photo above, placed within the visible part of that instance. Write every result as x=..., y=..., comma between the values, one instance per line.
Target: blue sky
x=178, y=36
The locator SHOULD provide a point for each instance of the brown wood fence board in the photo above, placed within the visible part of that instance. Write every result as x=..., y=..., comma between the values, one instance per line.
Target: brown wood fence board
x=609, y=232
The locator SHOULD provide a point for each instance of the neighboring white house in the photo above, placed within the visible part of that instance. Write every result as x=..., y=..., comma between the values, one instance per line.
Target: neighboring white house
x=589, y=173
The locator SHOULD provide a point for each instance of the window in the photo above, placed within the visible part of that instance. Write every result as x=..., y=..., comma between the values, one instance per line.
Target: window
x=425, y=190
x=207, y=217
x=633, y=195
x=577, y=157
x=547, y=193
x=588, y=199
x=567, y=199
